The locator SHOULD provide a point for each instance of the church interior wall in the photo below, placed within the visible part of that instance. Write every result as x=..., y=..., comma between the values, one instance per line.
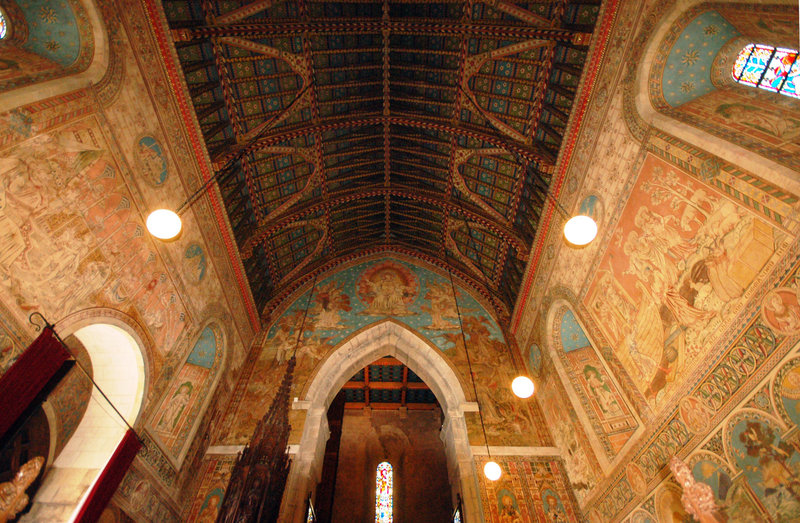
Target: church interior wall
x=698, y=405
x=694, y=337
x=74, y=244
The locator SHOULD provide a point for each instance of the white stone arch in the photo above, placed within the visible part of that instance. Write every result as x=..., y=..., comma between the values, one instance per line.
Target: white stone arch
x=775, y=173
x=114, y=344
x=381, y=339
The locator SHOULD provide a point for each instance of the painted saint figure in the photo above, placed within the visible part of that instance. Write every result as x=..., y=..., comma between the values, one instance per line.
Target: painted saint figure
x=172, y=413
x=602, y=392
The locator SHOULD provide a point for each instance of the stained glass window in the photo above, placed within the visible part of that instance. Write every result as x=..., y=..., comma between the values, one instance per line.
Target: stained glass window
x=3, y=25
x=771, y=68
x=457, y=516
x=383, y=493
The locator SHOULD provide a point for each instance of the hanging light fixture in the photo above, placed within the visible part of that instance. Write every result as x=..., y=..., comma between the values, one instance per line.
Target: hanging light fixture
x=166, y=225
x=523, y=387
x=491, y=469
x=580, y=230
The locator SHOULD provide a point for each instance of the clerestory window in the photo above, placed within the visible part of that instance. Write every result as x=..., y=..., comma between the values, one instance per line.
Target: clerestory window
x=774, y=69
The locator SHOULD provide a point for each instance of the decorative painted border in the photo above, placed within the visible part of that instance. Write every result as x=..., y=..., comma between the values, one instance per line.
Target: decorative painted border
x=169, y=59
x=592, y=69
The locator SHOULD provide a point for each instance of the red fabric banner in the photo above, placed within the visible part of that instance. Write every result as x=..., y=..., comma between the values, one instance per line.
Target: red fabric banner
x=34, y=368
x=110, y=478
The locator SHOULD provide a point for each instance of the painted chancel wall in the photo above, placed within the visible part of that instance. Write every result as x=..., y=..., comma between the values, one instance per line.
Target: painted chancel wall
x=414, y=296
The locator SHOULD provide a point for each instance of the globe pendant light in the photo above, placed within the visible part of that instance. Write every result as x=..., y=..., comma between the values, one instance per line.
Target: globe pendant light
x=523, y=387
x=492, y=471
x=164, y=224
x=580, y=230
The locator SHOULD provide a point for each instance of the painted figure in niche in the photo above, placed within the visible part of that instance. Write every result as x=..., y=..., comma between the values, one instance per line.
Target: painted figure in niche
x=669, y=507
x=789, y=391
x=601, y=391
x=330, y=300
x=388, y=288
x=591, y=206
x=781, y=310
x=636, y=479
x=761, y=119
x=695, y=415
x=507, y=505
x=535, y=360
x=172, y=413
x=770, y=465
x=151, y=158
x=8, y=352
x=210, y=507
x=442, y=307
x=553, y=508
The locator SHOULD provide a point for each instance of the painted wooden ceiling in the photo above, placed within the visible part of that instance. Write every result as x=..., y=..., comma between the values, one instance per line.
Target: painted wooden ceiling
x=351, y=127
x=388, y=384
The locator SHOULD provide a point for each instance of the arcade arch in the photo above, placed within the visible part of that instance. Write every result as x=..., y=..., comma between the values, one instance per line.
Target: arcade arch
x=393, y=339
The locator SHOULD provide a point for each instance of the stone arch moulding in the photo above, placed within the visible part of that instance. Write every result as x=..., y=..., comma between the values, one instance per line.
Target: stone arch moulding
x=762, y=165
x=590, y=428
x=46, y=88
x=381, y=339
x=76, y=321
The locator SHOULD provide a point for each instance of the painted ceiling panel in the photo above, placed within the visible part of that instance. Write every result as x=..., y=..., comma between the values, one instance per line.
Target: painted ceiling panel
x=428, y=128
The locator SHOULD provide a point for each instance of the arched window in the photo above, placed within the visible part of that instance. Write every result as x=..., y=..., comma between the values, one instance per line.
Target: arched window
x=3, y=25
x=771, y=68
x=383, y=493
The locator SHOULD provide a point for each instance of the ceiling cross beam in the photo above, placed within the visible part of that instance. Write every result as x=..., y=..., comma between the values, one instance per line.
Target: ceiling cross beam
x=534, y=151
x=189, y=31
x=434, y=198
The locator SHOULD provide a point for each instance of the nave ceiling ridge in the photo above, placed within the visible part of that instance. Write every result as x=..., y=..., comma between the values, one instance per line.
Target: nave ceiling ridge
x=429, y=128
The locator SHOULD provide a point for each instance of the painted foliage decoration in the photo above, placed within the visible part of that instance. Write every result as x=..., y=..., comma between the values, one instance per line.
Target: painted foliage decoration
x=612, y=418
x=181, y=407
x=383, y=493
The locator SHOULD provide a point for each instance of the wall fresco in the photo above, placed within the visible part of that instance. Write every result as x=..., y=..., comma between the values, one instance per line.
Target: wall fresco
x=679, y=266
x=65, y=211
x=369, y=292
x=610, y=414
x=530, y=490
x=180, y=407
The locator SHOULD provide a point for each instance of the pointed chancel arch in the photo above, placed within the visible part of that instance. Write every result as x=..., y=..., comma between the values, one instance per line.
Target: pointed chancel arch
x=385, y=338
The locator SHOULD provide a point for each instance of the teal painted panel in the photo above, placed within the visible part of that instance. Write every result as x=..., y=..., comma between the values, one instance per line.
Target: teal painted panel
x=572, y=335
x=205, y=350
x=687, y=74
x=52, y=30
